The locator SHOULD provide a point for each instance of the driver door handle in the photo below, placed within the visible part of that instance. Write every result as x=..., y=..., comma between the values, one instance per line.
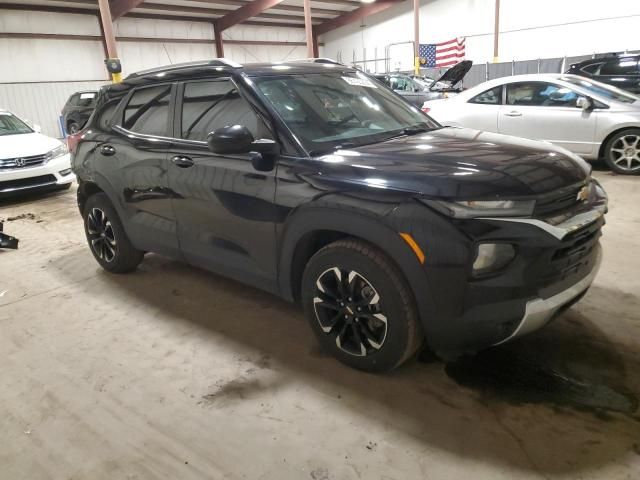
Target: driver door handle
x=513, y=113
x=182, y=161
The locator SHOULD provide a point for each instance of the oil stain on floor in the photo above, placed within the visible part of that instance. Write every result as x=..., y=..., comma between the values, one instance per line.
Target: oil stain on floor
x=519, y=377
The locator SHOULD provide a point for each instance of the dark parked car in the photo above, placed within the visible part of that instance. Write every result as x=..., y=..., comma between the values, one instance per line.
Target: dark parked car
x=314, y=183
x=619, y=71
x=77, y=110
x=419, y=90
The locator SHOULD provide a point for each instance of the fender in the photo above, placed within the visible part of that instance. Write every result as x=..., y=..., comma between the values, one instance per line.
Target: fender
x=311, y=218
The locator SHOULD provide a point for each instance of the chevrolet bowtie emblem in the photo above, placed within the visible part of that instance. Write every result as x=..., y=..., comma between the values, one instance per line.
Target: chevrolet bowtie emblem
x=583, y=194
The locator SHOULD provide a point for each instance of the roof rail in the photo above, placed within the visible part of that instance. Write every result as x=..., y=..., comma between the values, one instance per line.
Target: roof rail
x=218, y=62
x=315, y=60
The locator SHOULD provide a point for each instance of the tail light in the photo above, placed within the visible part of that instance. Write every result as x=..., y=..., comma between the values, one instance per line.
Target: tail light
x=426, y=109
x=73, y=140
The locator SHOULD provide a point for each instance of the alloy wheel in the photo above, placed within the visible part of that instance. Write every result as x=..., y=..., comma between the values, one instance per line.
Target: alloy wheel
x=349, y=308
x=101, y=235
x=625, y=152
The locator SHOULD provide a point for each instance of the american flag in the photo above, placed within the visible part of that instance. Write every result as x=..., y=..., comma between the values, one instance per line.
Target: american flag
x=442, y=54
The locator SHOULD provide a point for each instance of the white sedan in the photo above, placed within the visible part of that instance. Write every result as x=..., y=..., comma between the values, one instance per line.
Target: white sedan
x=589, y=118
x=30, y=160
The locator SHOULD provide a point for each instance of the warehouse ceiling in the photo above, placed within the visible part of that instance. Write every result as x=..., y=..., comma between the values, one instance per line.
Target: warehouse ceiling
x=285, y=13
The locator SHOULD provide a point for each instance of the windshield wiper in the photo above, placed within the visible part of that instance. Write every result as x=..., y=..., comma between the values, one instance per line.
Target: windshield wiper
x=415, y=129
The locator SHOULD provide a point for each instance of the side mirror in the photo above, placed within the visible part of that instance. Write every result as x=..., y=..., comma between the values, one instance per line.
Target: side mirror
x=37, y=128
x=584, y=103
x=238, y=139
x=230, y=140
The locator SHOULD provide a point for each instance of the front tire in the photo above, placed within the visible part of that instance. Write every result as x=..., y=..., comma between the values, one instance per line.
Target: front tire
x=106, y=237
x=360, y=306
x=622, y=152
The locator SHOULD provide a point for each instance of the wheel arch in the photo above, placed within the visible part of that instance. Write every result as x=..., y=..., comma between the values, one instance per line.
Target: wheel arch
x=609, y=136
x=312, y=228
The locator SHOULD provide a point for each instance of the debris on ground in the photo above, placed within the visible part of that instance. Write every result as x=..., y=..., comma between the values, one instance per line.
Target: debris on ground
x=7, y=241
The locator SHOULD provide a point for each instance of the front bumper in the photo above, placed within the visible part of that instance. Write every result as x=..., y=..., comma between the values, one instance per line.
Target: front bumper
x=538, y=312
x=54, y=173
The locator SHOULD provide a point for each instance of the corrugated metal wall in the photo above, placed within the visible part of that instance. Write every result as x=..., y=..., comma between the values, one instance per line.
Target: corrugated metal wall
x=38, y=75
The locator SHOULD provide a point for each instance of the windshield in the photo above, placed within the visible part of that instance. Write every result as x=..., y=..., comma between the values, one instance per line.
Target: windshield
x=340, y=110
x=12, y=125
x=602, y=89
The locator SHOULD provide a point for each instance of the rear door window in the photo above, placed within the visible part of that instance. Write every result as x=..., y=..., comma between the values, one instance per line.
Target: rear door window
x=148, y=111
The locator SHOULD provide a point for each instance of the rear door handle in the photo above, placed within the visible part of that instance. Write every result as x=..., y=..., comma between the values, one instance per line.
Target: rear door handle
x=107, y=150
x=513, y=114
x=182, y=162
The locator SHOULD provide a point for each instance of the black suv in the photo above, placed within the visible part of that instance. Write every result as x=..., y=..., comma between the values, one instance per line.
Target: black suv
x=78, y=109
x=619, y=71
x=314, y=182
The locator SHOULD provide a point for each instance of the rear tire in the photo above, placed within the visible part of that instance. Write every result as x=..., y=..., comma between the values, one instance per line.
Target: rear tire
x=106, y=237
x=360, y=306
x=622, y=152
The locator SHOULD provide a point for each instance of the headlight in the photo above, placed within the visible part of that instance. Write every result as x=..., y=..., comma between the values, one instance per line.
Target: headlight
x=483, y=208
x=492, y=256
x=57, y=152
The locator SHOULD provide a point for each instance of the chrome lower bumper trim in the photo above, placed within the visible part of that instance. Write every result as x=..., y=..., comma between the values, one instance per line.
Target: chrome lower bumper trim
x=539, y=311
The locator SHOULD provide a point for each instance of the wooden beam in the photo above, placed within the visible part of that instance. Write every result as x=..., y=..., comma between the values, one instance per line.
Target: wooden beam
x=244, y=13
x=217, y=37
x=98, y=38
x=288, y=8
x=308, y=28
x=91, y=10
x=107, y=28
x=355, y=15
x=122, y=7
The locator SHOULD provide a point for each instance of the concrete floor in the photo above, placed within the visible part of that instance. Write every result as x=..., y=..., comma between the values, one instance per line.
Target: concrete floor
x=176, y=373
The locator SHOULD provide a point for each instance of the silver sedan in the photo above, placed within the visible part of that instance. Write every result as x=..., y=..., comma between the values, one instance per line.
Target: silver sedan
x=589, y=118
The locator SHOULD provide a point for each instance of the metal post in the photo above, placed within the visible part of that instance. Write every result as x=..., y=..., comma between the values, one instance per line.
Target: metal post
x=308, y=28
x=496, y=32
x=109, y=37
x=416, y=39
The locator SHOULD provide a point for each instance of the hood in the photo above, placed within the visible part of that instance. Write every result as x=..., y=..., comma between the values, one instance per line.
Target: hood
x=456, y=163
x=454, y=75
x=26, y=145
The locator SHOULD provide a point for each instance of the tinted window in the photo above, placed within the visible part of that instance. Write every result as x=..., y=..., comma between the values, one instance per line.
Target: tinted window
x=622, y=66
x=490, y=97
x=207, y=106
x=593, y=69
x=540, y=94
x=148, y=111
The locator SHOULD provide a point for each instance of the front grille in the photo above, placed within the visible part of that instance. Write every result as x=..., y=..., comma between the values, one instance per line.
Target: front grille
x=24, y=183
x=575, y=255
x=22, y=162
x=557, y=202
